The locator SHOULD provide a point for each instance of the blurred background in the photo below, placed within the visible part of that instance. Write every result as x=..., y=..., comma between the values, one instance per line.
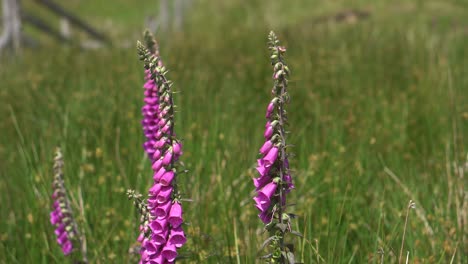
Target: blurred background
x=378, y=117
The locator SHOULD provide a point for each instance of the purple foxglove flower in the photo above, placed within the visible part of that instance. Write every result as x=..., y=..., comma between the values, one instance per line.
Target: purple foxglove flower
x=175, y=215
x=54, y=219
x=151, y=248
x=158, y=134
x=261, y=182
x=160, y=143
x=167, y=178
x=177, y=148
x=149, y=146
x=262, y=205
x=156, y=154
x=163, y=113
x=62, y=238
x=152, y=202
x=169, y=252
x=163, y=209
x=160, y=238
x=144, y=255
x=268, y=132
x=60, y=229
x=164, y=194
x=266, y=147
x=270, y=158
x=162, y=122
x=151, y=101
x=266, y=217
x=158, y=225
x=149, y=84
x=67, y=248
x=155, y=189
x=159, y=174
x=167, y=158
x=262, y=170
x=270, y=109
x=177, y=237
x=287, y=178
x=141, y=237
x=166, y=128
x=156, y=259
x=268, y=191
x=157, y=165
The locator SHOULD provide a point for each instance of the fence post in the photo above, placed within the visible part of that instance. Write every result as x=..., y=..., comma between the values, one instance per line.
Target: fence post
x=11, y=25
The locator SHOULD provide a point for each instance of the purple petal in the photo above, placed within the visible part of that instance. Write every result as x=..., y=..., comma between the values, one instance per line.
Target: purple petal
x=167, y=178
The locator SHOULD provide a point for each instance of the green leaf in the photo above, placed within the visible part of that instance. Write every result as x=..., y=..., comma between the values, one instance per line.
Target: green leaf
x=267, y=241
x=296, y=233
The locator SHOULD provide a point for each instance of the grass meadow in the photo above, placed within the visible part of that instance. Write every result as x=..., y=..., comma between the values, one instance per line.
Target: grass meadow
x=378, y=117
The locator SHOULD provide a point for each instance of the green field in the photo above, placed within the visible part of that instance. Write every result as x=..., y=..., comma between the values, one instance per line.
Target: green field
x=378, y=117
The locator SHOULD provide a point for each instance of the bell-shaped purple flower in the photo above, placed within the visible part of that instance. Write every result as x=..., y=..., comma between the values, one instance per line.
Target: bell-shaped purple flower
x=157, y=165
x=177, y=148
x=267, y=192
x=262, y=170
x=158, y=225
x=169, y=252
x=161, y=237
x=67, y=248
x=260, y=182
x=270, y=158
x=270, y=108
x=151, y=247
x=261, y=204
x=177, y=237
x=266, y=147
x=166, y=178
x=155, y=189
x=165, y=194
x=167, y=158
x=159, y=174
x=175, y=215
x=163, y=209
x=268, y=132
x=266, y=216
